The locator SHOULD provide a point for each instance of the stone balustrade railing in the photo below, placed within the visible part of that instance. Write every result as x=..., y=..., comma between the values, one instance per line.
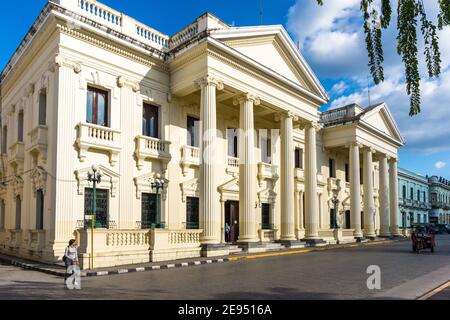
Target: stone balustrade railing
x=16, y=151
x=38, y=136
x=127, y=238
x=147, y=147
x=100, y=13
x=184, y=35
x=151, y=36
x=104, y=136
x=233, y=162
x=182, y=237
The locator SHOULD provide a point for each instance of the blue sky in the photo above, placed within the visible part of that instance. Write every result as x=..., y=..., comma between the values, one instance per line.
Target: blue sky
x=332, y=41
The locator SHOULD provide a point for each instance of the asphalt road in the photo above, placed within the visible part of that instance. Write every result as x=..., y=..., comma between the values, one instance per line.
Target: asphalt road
x=332, y=274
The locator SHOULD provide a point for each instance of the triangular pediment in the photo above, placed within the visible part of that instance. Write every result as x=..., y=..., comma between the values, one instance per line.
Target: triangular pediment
x=230, y=186
x=382, y=120
x=272, y=48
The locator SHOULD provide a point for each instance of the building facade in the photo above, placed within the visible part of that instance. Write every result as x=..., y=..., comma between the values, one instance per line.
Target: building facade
x=224, y=120
x=413, y=198
x=439, y=200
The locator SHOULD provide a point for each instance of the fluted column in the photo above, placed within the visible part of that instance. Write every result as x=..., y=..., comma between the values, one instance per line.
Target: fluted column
x=384, y=197
x=287, y=178
x=355, y=191
x=311, y=203
x=369, y=203
x=393, y=192
x=247, y=169
x=209, y=216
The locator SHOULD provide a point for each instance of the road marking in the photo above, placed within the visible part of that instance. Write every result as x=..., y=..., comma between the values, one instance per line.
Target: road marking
x=140, y=269
x=434, y=291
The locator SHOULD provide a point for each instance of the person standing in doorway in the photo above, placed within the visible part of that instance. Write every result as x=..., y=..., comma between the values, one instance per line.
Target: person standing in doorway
x=227, y=231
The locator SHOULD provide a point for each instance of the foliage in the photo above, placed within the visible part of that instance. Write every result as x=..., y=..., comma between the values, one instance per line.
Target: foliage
x=410, y=12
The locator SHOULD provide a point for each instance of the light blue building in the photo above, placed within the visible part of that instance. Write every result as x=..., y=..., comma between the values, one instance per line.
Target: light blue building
x=414, y=200
x=439, y=199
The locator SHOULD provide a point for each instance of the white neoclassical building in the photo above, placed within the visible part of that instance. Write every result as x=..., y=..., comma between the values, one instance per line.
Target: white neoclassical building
x=225, y=119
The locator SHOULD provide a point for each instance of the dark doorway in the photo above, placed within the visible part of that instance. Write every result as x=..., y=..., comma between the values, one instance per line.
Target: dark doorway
x=232, y=218
x=347, y=219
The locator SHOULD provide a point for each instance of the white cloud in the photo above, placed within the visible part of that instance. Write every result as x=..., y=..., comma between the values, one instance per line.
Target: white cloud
x=332, y=41
x=439, y=165
x=339, y=87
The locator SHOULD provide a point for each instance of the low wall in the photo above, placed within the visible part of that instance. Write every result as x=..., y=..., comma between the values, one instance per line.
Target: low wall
x=123, y=247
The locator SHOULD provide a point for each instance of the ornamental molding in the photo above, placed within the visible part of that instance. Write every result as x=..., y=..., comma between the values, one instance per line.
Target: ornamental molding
x=110, y=180
x=59, y=62
x=246, y=97
x=39, y=180
x=190, y=188
x=267, y=196
x=17, y=185
x=112, y=47
x=125, y=82
x=143, y=184
x=208, y=81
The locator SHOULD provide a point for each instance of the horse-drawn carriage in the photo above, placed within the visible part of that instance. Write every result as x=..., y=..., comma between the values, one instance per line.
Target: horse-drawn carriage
x=422, y=238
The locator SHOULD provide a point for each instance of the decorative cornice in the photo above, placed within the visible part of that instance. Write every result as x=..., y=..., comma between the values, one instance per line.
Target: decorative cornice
x=208, y=81
x=246, y=97
x=59, y=62
x=111, y=47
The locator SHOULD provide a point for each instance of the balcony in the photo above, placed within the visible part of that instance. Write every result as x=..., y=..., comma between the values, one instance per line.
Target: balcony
x=16, y=154
x=92, y=136
x=151, y=148
x=266, y=171
x=39, y=142
x=233, y=166
x=190, y=157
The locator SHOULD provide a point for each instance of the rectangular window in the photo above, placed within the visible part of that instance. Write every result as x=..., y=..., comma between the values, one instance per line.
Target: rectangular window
x=2, y=215
x=298, y=158
x=149, y=209
x=347, y=173
x=5, y=140
x=150, y=121
x=266, y=150
x=265, y=215
x=43, y=108
x=193, y=132
x=332, y=168
x=20, y=127
x=232, y=137
x=97, y=107
x=192, y=213
x=39, y=210
x=102, y=207
x=18, y=213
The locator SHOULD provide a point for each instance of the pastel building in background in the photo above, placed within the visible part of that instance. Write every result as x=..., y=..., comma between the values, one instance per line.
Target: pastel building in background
x=439, y=199
x=414, y=205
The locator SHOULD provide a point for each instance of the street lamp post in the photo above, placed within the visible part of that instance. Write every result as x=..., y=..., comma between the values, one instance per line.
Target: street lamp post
x=335, y=202
x=95, y=177
x=158, y=184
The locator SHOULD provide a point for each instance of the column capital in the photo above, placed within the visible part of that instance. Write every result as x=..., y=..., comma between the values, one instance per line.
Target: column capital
x=246, y=97
x=285, y=115
x=310, y=124
x=122, y=82
x=208, y=81
x=354, y=144
x=369, y=149
x=392, y=160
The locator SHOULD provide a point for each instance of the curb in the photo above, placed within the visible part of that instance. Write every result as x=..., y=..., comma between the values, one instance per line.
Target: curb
x=157, y=267
x=434, y=292
x=29, y=266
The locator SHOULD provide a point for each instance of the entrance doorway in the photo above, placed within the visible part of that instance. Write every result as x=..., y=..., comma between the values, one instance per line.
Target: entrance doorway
x=232, y=218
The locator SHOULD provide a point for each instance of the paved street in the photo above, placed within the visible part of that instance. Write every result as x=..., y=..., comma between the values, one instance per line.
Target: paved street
x=333, y=274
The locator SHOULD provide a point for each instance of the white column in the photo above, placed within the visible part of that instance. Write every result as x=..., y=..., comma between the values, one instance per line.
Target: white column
x=384, y=197
x=311, y=208
x=222, y=221
x=247, y=169
x=369, y=203
x=287, y=178
x=209, y=216
x=297, y=210
x=393, y=188
x=301, y=225
x=355, y=191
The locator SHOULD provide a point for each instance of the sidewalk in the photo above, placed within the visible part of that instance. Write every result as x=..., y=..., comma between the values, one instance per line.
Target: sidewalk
x=59, y=270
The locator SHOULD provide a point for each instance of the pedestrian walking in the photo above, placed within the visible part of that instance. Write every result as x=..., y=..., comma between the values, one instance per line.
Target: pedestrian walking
x=72, y=275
